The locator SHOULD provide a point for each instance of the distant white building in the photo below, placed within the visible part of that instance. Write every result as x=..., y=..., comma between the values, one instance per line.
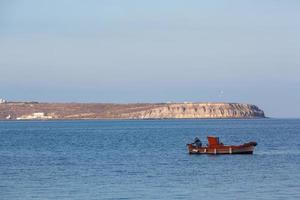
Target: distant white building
x=3, y=101
x=37, y=115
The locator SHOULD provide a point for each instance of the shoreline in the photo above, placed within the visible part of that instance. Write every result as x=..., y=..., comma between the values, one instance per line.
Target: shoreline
x=145, y=111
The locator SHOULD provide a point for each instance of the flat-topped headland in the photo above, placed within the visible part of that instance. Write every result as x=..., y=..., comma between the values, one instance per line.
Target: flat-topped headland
x=36, y=110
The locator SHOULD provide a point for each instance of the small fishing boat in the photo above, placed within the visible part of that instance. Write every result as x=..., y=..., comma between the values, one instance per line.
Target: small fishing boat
x=215, y=147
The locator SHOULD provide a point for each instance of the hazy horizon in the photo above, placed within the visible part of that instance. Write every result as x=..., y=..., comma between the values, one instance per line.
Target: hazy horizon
x=156, y=51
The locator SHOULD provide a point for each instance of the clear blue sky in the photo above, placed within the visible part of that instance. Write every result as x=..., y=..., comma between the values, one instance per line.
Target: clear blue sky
x=152, y=51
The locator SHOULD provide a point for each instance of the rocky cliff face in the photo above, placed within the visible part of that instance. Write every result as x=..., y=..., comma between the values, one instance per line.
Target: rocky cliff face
x=127, y=111
x=199, y=110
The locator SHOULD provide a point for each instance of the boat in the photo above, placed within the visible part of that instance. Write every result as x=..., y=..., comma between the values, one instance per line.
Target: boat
x=215, y=147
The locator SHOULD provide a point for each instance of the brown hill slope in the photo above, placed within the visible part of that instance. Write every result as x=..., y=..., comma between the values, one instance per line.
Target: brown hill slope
x=127, y=111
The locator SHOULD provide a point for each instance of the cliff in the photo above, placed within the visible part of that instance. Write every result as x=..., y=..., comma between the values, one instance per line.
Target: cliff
x=199, y=110
x=34, y=110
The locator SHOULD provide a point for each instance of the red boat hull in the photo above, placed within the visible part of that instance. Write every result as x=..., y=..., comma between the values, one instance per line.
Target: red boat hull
x=246, y=148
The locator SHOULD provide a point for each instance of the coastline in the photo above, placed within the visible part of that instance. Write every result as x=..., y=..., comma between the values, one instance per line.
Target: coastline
x=138, y=111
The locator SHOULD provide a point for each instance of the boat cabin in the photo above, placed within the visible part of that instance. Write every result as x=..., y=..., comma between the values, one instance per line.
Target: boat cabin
x=213, y=141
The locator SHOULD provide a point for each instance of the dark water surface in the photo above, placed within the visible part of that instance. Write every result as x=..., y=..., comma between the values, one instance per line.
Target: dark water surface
x=147, y=160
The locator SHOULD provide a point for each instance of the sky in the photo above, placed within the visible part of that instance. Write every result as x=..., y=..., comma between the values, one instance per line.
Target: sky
x=152, y=51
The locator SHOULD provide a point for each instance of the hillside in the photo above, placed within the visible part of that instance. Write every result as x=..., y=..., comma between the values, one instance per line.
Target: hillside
x=35, y=110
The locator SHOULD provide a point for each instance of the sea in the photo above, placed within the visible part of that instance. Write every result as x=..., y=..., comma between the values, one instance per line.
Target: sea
x=147, y=159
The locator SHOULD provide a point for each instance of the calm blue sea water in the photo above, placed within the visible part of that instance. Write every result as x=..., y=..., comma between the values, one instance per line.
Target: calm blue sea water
x=147, y=160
